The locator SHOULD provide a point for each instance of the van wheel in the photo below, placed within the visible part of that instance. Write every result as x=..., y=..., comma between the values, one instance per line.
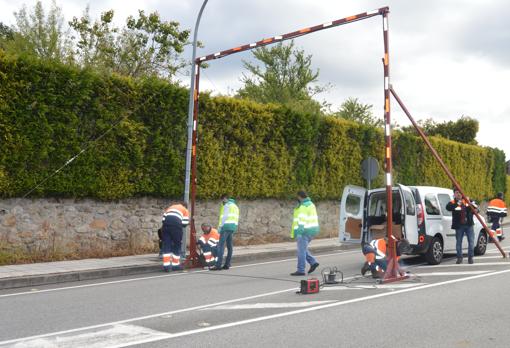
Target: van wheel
x=435, y=253
x=481, y=244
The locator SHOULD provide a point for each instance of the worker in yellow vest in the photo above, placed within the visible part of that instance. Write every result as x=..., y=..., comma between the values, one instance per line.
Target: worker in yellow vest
x=305, y=226
x=227, y=226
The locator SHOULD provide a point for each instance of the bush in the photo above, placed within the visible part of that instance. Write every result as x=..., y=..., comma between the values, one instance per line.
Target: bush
x=49, y=112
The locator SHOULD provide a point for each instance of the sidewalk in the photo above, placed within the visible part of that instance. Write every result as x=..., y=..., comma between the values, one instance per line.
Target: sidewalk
x=37, y=274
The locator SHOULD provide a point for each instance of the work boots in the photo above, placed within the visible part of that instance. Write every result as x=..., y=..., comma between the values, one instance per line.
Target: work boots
x=365, y=268
x=459, y=260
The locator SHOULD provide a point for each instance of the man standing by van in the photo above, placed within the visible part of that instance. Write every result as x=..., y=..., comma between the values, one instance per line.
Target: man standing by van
x=462, y=223
x=305, y=226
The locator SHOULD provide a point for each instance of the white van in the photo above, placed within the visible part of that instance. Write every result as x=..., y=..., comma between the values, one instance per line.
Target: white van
x=419, y=214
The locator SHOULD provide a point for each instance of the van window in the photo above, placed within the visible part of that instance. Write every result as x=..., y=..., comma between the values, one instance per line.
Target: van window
x=443, y=200
x=410, y=208
x=377, y=204
x=431, y=205
x=352, y=204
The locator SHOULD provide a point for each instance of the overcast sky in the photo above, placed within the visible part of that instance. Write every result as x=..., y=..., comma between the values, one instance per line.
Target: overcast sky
x=448, y=58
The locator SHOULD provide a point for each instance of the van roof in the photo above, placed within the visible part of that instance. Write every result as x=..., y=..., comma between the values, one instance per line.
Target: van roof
x=420, y=188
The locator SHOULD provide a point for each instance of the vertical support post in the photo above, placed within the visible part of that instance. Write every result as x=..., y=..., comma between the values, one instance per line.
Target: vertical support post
x=193, y=255
x=392, y=270
x=191, y=109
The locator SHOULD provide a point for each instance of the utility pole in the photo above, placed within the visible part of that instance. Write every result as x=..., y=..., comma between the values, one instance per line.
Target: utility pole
x=187, y=182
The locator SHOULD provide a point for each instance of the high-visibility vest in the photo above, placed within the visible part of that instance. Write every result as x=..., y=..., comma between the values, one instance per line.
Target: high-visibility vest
x=212, y=238
x=229, y=216
x=379, y=246
x=497, y=208
x=295, y=222
x=305, y=220
x=178, y=211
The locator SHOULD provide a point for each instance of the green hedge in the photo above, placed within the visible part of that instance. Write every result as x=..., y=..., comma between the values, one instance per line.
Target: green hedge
x=49, y=112
x=507, y=195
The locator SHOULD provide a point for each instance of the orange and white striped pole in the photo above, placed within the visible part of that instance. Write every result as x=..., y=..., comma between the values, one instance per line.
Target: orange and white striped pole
x=392, y=271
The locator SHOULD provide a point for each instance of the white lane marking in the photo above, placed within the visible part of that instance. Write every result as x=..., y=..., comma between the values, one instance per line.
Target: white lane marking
x=268, y=305
x=502, y=263
x=375, y=286
x=494, y=251
x=325, y=306
x=189, y=309
x=440, y=274
x=36, y=291
x=32, y=292
x=114, y=336
x=488, y=257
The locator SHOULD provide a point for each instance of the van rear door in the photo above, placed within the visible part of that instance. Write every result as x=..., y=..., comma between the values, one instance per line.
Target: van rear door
x=410, y=220
x=351, y=213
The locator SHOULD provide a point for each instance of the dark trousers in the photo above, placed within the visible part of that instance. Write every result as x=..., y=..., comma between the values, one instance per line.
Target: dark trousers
x=370, y=256
x=172, y=239
x=206, y=248
x=225, y=238
x=459, y=235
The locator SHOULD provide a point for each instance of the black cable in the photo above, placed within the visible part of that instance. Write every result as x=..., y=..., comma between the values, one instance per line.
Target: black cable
x=247, y=276
x=78, y=154
x=88, y=143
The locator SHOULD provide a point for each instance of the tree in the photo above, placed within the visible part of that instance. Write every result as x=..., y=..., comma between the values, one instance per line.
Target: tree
x=41, y=35
x=95, y=46
x=146, y=46
x=6, y=36
x=6, y=33
x=353, y=110
x=285, y=77
x=463, y=130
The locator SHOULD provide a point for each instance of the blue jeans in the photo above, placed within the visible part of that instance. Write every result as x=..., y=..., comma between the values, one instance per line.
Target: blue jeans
x=225, y=238
x=459, y=235
x=303, y=254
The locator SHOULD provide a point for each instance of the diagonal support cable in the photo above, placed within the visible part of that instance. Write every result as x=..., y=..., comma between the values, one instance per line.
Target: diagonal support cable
x=90, y=143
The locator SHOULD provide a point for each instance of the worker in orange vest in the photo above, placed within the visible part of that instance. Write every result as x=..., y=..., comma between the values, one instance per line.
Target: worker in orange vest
x=375, y=255
x=208, y=242
x=175, y=219
x=496, y=211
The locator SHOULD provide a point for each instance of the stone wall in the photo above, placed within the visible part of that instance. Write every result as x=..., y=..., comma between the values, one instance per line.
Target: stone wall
x=88, y=228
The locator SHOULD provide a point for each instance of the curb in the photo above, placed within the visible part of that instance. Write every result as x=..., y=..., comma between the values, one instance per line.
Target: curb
x=74, y=276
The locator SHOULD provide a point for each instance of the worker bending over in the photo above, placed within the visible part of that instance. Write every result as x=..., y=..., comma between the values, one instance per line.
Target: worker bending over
x=375, y=255
x=175, y=219
x=496, y=211
x=208, y=242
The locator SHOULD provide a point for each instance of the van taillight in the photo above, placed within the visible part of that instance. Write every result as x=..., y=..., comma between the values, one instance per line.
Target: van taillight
x=420, y=213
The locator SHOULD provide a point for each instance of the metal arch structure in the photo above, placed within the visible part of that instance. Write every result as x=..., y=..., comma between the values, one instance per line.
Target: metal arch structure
x=383, y=11
x=393, y=272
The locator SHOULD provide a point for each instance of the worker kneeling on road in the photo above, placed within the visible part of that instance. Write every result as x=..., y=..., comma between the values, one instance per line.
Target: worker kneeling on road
x=175, y=218
x=208, y=242
x=375, y=255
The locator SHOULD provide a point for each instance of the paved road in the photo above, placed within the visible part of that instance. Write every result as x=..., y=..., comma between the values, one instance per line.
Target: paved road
x=254, y=305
